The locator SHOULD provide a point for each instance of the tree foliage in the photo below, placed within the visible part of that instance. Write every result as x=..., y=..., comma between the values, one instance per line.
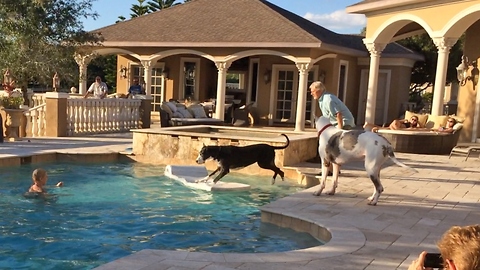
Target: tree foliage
x=142, y=8
x=39, y=38
x=139, y=9
x=424, y=72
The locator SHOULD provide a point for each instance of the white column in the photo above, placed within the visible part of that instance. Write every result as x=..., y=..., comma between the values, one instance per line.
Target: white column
x=221, y=84
x=303, y=69
x=443, y=44
x=147, y=77
x=375, y=50
x=83, y=59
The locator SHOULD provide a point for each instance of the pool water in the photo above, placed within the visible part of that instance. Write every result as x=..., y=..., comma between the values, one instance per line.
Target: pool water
x=108, y=211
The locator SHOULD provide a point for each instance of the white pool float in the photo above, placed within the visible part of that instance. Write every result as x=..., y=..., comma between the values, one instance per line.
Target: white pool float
x=190, y=176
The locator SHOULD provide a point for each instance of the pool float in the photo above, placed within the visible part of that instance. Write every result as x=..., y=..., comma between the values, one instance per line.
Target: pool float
x=192, y=176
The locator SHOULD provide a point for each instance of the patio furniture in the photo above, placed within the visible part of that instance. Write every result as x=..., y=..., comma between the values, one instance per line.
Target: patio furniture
x=177, y=114
x=245, y=116
x=421, y=141
x=424, y=140
x=464, y=150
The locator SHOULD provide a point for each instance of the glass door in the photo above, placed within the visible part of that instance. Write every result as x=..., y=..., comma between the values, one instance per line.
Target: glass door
x=156, y=84
x=286, y=94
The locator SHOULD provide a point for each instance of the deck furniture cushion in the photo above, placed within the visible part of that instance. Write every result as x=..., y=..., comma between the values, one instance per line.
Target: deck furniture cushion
x=171, y=106
x=184, y=112
x=197, y=110
x=422, y=118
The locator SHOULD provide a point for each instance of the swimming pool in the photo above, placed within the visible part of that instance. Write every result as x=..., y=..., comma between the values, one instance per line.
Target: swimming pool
x=108, y=211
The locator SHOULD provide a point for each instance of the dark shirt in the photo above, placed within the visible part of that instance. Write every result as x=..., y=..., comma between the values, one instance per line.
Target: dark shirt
x=136, y=89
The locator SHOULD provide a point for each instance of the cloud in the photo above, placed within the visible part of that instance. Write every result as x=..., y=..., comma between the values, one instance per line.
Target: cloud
x=338, y=21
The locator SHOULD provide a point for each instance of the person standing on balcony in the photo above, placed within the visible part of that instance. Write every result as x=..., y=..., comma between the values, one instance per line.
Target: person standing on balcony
x=99, y=89
x=135, y=89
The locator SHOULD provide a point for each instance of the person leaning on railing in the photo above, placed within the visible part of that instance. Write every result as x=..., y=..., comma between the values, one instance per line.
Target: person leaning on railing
x=99, y=89
x=135, y=89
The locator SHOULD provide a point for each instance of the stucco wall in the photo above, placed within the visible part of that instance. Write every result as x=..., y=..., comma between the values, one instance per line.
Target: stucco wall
x=467, y=93
x=423, y=16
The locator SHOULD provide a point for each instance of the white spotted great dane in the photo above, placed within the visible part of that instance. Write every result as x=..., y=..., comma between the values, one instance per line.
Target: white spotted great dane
x=337, y=147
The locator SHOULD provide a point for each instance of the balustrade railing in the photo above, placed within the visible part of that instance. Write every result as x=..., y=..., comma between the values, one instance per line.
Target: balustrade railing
x=94, y=116
x=35, y=99
x=36, y=122
x=86, y=116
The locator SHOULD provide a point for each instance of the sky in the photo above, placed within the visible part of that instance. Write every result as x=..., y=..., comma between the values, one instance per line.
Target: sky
x=327, y=13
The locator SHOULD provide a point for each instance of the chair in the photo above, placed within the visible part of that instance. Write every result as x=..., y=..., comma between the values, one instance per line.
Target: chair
x=464, y=150
x=245, y=116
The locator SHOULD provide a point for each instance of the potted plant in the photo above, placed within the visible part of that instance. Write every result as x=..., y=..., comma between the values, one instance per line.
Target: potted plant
x=10, y=102
x=11, y=99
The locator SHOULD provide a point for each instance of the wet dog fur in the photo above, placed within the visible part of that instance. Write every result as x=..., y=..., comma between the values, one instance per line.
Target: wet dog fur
x=232, y=157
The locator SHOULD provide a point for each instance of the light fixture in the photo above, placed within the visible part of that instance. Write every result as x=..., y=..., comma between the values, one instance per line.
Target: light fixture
x=165, y=72
x=123, y=72
x=56, y=82
x=267, y=76
x=462, y=72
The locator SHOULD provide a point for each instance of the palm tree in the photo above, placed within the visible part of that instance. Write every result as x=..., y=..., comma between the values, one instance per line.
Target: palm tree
x=156, y=5
x=140, y=9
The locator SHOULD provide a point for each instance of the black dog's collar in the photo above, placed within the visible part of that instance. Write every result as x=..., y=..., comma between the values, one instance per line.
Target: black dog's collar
x=323, y=129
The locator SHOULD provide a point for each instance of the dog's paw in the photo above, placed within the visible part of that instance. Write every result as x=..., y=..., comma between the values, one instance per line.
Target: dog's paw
x=273, y=181
x=202, y=180
x=317, y=193
x=372, y=203
x=330, y=192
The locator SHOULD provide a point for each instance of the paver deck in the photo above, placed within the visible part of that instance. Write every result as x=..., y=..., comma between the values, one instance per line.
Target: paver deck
x=411, y=215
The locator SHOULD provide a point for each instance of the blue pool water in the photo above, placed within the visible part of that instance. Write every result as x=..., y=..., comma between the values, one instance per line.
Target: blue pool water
x=108, y=211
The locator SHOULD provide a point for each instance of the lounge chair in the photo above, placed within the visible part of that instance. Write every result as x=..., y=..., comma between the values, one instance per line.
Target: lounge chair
x=464, y=150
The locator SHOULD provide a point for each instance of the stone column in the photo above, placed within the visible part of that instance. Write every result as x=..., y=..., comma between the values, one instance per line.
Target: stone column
x=145, y=112
x=303, y=69
x=443, y=44
x=221, y=84
x=147, y=76
x=56, y=114
x=83, y=59
x=375, y=50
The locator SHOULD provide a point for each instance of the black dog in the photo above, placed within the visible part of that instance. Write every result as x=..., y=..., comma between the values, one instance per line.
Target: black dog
x=231, y=157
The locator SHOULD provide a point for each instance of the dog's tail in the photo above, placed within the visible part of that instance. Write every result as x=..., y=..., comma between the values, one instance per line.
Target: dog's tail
x=391, y=155
x=285, y=146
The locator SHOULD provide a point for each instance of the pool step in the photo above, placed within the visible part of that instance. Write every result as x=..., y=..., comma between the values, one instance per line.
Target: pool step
x=307, y=174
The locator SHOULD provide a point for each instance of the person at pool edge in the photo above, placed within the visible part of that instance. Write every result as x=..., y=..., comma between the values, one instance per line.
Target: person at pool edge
x=332, y=108
x=40, y=178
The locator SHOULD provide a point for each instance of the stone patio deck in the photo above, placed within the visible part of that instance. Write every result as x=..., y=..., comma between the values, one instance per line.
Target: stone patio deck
x=411, y=215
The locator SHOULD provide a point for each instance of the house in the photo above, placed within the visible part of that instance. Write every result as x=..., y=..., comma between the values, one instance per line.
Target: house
x=187, y=51
x=445, y=22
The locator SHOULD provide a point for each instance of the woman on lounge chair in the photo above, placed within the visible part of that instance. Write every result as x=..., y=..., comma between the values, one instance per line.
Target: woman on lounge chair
x=396, y=124
x=449, y=126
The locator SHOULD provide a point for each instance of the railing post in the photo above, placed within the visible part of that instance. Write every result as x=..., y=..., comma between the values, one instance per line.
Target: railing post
x=145, y=112
x=56, y=114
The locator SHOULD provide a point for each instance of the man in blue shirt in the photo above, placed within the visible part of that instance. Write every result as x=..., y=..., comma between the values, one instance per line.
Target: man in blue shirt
x=332, y=107
x=135, y=89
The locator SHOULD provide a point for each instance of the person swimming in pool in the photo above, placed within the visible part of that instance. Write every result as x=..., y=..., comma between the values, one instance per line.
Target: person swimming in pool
x=39, y=178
